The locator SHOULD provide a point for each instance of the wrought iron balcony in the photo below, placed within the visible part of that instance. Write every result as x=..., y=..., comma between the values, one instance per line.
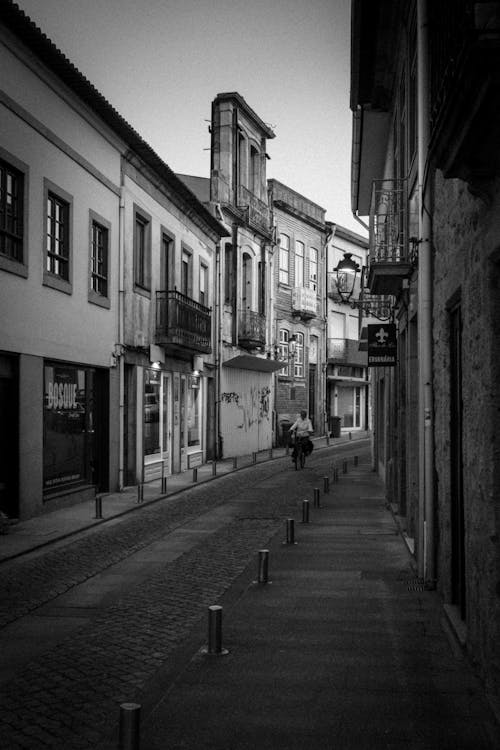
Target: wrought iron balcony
x=346, y=352
x=389, y=261
x=304, y=302
x=258, y=211
x=182, y=323
x=251, y=329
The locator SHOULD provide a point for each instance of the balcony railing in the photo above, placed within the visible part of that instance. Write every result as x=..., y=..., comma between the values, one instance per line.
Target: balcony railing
x=258, y=211
x=182, y=322
x=251, y=329
x=388, y=261
x=304, y=302
x=346, y=352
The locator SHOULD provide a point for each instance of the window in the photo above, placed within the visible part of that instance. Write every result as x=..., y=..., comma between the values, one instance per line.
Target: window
x=284, y=262
x=299, y=263
x=313, y=268
x=11, y=212
x=142, y=252
x=203, y=285
x=58, y=269
x=242, y=159
x=167, y=262
x=99, y=260
x=299, y=356
x=254, y=171
x=186, y=273
x=283, y=350
x=57, y=258
x=228, y=273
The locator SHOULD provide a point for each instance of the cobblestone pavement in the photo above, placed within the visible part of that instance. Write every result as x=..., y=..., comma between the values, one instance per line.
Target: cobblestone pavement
x=68, y=697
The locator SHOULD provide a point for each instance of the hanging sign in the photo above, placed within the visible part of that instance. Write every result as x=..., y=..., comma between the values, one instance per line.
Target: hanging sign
x=382, y=345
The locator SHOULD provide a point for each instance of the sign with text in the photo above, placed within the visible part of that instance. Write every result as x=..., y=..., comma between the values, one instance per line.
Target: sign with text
x=382, y=345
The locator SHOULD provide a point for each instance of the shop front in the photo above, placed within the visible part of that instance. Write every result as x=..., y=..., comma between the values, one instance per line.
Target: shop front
x=75, y=428
x=347, y=401
x=173, y=421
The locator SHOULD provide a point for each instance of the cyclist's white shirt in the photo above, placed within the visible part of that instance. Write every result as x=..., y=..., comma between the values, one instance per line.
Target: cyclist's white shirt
x=303, y=427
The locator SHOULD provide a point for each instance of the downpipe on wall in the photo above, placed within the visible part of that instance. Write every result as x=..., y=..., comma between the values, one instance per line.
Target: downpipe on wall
x=425, y=548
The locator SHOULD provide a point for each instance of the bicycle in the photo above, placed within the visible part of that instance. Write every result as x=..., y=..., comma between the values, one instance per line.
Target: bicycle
x=299, y=457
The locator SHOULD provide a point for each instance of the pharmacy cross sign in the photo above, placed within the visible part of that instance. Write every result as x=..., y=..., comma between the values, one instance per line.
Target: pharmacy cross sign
x=382, y=345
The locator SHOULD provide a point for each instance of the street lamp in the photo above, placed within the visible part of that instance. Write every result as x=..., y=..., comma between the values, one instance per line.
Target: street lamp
x=346, y=270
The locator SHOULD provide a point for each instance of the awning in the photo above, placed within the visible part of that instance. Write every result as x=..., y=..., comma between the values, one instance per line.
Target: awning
x=249, y=362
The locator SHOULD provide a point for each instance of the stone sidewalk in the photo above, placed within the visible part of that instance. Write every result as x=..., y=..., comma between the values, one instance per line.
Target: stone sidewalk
x=343, y=649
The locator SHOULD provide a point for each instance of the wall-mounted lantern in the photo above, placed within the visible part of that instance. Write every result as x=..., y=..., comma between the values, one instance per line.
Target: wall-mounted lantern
x=346, y=270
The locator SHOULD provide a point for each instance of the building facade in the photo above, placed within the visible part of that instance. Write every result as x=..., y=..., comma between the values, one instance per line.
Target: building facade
x=298, y=335
x=168, y=343
x=107, y=289
x=426, y=162
x=59, y=229
x=347, y=383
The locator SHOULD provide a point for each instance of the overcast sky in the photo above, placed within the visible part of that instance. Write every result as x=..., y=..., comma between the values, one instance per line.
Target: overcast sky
x=160, y=63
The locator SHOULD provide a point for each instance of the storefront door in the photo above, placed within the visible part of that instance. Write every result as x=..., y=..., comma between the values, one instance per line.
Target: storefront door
x=157, y=424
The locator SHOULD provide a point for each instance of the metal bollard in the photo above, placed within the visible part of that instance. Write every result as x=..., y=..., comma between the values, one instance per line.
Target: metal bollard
x=254, y=458
x=140, y=493
x=195, y=475
x=214, y=468
x=270, y=453
x=215, y=629
x=263, y=566
x=355, y=460
x=344, y=467
x=163, y=479
x=350, y=436
x=98, y=506
x=305, y=511
x=290, y=531
x=235, y=463
x=326, y=485
x=316, y=497
x=130, y=719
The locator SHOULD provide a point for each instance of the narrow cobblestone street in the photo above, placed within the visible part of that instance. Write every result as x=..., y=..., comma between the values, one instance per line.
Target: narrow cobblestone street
x=67, y=696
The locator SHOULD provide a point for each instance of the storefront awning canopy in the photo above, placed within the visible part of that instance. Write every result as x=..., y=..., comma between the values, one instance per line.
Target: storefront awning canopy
x=249, y=362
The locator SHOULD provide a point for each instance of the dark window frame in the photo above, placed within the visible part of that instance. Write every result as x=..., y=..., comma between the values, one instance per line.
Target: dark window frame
x=20, y=172
x=54, y=197
x=142, y=252
x=99, y=277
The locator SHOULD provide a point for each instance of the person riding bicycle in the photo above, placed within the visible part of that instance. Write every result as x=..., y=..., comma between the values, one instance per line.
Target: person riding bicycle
x=302, y=428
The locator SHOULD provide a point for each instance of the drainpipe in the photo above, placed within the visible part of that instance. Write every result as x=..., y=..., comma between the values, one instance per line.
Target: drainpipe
x=329, y=236
x=121, y=313
x=425, y=557
x=218, y=340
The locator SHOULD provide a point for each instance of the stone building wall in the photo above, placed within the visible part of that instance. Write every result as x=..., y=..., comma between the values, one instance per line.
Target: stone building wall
x=466, y=239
